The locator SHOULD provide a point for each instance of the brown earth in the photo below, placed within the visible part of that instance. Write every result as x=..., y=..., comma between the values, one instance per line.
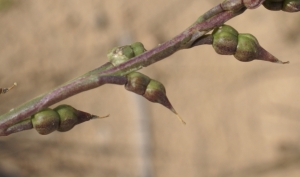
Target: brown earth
x=243, y=119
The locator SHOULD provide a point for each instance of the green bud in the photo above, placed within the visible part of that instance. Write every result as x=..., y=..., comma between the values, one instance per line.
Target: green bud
x=120, y=55
x=247, y=48
x=127, y=52
x=244, y=47
x=152, y=90
x=45, y=121
x=68, y=117
x=225, y=40
x=156, y=92
x=137, y=83
x=138, y=48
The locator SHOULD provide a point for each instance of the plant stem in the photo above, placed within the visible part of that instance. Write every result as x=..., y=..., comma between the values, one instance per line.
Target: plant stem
x=115, y=75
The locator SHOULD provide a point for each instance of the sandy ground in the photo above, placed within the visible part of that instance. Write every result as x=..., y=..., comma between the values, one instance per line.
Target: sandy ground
x=242, y=118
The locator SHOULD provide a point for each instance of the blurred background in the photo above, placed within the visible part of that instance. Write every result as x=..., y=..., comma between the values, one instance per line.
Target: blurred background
x=243, y=119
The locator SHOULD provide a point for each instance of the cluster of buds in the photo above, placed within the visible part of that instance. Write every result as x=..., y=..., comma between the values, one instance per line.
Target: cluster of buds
x=121, y=54
x=138, y=83
x=62, y=118
x=244, y=47
x=284, y=5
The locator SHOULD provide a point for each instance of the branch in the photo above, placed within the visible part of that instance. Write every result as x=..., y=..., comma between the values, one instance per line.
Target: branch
x=110, y=74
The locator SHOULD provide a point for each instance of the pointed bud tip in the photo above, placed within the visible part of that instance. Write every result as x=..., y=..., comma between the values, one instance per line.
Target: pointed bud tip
x=99, y=117
x=178, y=116
x=284, y=62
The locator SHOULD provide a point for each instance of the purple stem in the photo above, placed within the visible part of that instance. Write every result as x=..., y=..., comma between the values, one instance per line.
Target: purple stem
x=108, y=74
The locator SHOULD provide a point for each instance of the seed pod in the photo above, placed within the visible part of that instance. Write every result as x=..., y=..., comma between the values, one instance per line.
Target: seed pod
x=68, y=117
x=244, y=47
x=284, y=5
x=247, y=48
x=225, y=40
x=4, y=90
x=138, y=48
x=150, y=89
x=62, y=118
x=45, y=121
x=121, y=54
x=137, y=82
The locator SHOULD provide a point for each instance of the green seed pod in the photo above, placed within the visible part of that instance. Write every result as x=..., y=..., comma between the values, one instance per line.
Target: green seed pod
x=45, y=121
x=63, y=118
x=244, y=47
x=247, y=48
x=225, y=40
x=68, y=117
x=138, y=48
x=137, y=82
x=156, y=92
x=152, y=90
x=119, y=55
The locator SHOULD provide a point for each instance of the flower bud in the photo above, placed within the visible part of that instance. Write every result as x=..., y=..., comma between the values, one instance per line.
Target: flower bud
x=138, y=48
x=156, y=93
x=68, y=117
x=63, y=118
x=152, y=90
x=247, y=48
x=137, y=83
x=225, y=40
x=120, y=55
x=244, y=47
x=45, y=121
